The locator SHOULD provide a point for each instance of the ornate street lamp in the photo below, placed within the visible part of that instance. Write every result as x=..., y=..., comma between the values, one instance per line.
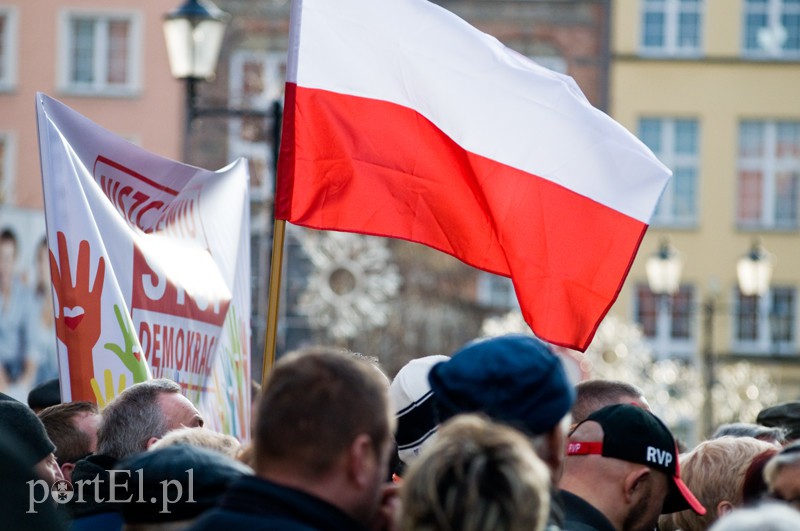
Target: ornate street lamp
x=194, y=35
x=664, y=269
x=754, y=270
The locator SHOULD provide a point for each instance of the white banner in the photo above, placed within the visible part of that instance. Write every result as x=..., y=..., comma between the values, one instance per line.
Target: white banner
x=150, y=261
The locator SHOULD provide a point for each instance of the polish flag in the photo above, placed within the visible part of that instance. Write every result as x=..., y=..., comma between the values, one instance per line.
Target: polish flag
x=404, y=121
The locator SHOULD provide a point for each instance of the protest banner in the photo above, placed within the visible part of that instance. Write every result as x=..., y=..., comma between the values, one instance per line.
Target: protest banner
x=402, y=120
x=150, y=265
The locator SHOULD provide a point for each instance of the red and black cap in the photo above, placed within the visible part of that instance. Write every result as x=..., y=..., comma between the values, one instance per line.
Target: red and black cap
x=633, y=434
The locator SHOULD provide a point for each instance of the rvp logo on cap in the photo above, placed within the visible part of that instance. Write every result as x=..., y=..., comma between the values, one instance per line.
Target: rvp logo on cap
x=660, y=457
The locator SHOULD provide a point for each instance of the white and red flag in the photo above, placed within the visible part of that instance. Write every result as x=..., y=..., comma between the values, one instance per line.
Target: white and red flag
x=150, y=266
x=404, y=121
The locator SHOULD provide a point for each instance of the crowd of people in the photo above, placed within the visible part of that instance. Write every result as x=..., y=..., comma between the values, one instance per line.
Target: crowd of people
x=494, y=437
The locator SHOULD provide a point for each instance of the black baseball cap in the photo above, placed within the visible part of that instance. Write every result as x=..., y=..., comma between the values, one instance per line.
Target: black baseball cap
x=633, y=434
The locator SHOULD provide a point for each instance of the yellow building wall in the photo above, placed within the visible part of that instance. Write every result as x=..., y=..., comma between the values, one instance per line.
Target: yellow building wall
x=719, y=89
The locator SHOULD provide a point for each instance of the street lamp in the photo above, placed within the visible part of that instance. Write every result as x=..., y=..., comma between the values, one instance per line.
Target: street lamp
x=753, y=272
x=194, y=33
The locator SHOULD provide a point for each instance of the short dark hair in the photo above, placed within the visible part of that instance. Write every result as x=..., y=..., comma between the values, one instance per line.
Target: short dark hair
x=8, y=235
x=593, y=395
x=315, y=402
x=131, y=419
x=72, y=444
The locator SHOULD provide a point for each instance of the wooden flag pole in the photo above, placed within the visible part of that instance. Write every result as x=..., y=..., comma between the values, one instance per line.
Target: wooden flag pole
x=275, y=271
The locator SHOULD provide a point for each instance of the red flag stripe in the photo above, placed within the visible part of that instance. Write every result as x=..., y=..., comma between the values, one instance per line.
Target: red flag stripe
x=362, y=165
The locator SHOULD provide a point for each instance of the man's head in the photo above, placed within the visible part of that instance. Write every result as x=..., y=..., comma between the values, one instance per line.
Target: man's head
x=715, y=471
x=20, y=422
x=593, y=395
x=324, y=426
x=773, y=435
x=782, y=474
x=514, y=379
x=73, y=429
x=623, y=461
x=141, y=415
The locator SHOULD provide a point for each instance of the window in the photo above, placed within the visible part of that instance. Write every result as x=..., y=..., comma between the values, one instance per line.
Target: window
x=671, y=27
x=6, y=166
x=772, y=29
x=8, y=48
x=674, y=141
x=769, y=174
x=666, y=321
x=495, y=291
x=765, y=324
x=100, y=53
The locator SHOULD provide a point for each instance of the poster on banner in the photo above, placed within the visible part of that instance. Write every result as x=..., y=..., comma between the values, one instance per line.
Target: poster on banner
x=150, y=269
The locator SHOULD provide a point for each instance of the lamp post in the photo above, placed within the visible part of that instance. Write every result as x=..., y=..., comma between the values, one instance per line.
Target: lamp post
x=194, y=33
x=753, y=272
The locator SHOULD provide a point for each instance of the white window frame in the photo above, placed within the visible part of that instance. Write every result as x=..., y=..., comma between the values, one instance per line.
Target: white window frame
x=671, y=47
x=770, y=166
x=774, y=32
x=664, y=216
x=9, y=166
x=496, y=291
x=663, y=345
x=9, y=61
x=100, y=87
x=764, y=344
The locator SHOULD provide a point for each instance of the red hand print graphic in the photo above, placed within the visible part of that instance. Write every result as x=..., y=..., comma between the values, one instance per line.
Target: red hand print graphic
x=78, y=321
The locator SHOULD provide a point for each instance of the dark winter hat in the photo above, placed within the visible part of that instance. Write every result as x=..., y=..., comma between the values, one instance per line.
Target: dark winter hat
x=200, y=475
x=21, y=422
x=515, y=379
x=785, y=415
x=45, y=394
x=633, y=434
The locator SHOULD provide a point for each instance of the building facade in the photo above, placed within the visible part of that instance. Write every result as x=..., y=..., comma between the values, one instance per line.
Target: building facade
x=711, y=87
x=107, y=60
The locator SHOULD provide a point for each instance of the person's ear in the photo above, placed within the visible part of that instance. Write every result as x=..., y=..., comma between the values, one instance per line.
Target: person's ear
x=724, y=507
x=361, y=460
x=66, y=470
x=635, y=482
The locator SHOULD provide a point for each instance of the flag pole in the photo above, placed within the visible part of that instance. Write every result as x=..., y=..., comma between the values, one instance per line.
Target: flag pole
x=275, y=271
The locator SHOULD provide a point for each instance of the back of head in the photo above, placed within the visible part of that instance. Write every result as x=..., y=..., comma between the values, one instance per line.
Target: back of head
x=715, y=471
x=593, y=395
x=315, y=402
x=477, y=476
x=763, y=517
x=180, y=481
x=131, y=419
x=788, y=461
x=72, y=444
x=514, y=379
x=211, y=440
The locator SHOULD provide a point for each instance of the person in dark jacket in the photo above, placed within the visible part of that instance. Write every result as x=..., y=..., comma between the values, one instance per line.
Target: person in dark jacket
x=322, y=439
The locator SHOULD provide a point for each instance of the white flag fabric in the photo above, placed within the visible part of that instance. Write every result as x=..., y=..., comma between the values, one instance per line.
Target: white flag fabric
x=150, y=263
